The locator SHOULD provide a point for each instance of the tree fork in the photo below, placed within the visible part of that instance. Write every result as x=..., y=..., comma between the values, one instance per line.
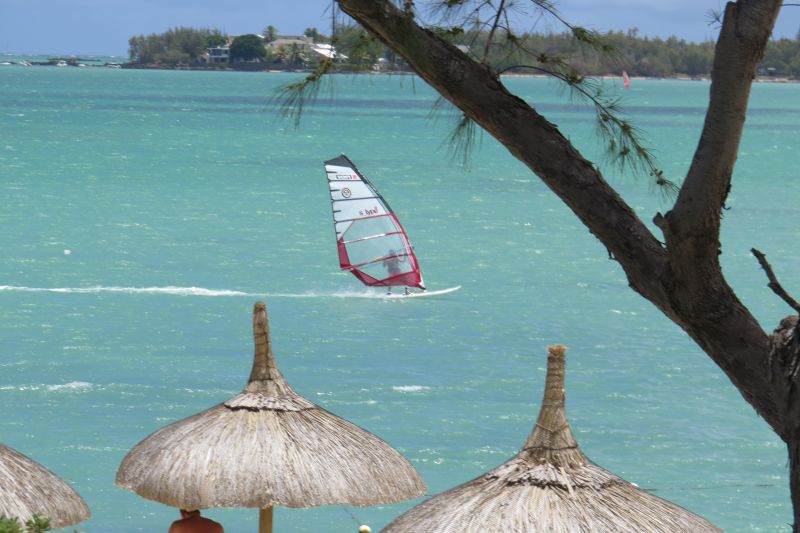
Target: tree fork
x=682, y=278
x=714, y=318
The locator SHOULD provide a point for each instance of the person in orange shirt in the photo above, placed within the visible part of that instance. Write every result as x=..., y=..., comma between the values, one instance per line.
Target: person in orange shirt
x=192, y=522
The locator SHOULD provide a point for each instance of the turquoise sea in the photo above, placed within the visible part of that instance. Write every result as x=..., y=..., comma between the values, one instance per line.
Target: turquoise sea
x=142, y=213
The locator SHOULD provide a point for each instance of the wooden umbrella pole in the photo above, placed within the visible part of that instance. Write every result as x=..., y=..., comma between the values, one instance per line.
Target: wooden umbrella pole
x=265, y=520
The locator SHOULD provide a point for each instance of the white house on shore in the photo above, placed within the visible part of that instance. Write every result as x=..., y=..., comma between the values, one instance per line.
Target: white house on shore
x=327, y=50
x=219, y=54
x=285, y=41
x=306, y=44
x=222, y=54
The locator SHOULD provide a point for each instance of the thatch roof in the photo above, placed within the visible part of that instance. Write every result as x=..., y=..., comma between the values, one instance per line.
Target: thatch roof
x=264, y=447
x=28, y=488
x=549, y=486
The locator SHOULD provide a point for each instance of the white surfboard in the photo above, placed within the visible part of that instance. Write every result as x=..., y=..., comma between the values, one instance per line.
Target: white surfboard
x=400, y=295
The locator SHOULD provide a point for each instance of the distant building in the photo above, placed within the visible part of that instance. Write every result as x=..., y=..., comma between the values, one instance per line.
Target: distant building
x=288, y=40
x=313, y=52
x=327, y=50
x=219, y=54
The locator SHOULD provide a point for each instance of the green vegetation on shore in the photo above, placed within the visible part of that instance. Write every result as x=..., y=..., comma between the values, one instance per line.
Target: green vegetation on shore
x=178, y=46
x=639, y=56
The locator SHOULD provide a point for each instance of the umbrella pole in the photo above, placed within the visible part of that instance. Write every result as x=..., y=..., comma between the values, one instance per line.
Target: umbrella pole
x=265, y=520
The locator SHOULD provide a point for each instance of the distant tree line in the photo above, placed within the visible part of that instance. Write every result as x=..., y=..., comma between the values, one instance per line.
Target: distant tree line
x=782, y=58
x=639, y=56
x=659, y=58
x=187, y=47
x=174, y=47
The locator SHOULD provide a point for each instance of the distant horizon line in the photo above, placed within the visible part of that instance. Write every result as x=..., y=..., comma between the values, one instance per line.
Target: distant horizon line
x=59, y=54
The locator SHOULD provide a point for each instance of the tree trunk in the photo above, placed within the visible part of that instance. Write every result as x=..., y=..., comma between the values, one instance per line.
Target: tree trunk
x=683, y=277
x=794, y=481
x=784, y=362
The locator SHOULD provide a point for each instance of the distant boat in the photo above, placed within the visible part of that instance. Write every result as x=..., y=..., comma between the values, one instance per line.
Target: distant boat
x=626, y=80
x=61, y=63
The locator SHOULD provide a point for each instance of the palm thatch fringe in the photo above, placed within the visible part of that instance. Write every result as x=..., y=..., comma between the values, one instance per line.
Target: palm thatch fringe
x=549, y=486
x=241, y=458
x=267, y=446
x=28, y=488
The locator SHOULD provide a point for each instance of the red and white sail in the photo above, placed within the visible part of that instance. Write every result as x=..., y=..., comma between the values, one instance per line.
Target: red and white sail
x=371, y=241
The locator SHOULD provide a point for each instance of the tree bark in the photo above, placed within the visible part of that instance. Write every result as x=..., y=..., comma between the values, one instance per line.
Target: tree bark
x=682, y=277
x=794, y=478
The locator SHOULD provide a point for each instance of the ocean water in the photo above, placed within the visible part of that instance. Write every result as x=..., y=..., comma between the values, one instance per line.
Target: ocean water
x=142, y=213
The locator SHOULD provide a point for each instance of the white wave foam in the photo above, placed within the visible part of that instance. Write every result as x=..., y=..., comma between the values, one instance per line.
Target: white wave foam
x=410, y=388
x=178, y=291
x=71, y=386
x=193, y=291
x=85, y=448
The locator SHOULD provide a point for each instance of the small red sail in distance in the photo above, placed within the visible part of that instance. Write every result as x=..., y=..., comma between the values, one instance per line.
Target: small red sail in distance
x=371, y=241
x=626, y=80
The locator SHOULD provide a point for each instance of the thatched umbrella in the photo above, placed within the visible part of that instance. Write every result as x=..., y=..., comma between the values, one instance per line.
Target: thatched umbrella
x=27, y=488
x=549, y=486
x=267, y=446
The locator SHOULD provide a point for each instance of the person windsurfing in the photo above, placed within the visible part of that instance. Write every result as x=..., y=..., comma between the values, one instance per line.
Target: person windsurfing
x=392, y=265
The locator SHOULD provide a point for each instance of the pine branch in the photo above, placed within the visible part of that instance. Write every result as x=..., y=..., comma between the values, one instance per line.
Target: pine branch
x=295, y=96
x=500, y=11
x=625, y=147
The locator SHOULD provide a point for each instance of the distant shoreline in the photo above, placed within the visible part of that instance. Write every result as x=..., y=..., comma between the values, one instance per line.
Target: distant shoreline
x=251, y=67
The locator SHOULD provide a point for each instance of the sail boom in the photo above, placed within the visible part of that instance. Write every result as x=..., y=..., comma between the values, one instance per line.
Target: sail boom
x=371, y=261
x=370, y=237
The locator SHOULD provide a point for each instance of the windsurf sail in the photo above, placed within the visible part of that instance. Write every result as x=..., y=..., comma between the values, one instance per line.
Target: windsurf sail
x=371, y=241
x=626, y=80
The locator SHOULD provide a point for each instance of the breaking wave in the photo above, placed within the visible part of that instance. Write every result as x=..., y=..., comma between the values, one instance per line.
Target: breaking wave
x=410, y=388
x=194, y=291
x=179, y=291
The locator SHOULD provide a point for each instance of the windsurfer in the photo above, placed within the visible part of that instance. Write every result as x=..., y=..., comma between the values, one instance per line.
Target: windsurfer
x=392, y=264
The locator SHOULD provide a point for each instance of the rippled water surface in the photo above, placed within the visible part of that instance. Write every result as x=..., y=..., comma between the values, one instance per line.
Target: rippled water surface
x=144, y=212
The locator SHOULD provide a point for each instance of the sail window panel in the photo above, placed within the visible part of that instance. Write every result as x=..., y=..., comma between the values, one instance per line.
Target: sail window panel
x=357, y=209
x=342, y=227
x=370, y=227
x=379, y=271
x=376, y=250
x=347, y=190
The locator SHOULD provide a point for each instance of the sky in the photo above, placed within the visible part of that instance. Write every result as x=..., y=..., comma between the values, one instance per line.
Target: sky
x=103, y=27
